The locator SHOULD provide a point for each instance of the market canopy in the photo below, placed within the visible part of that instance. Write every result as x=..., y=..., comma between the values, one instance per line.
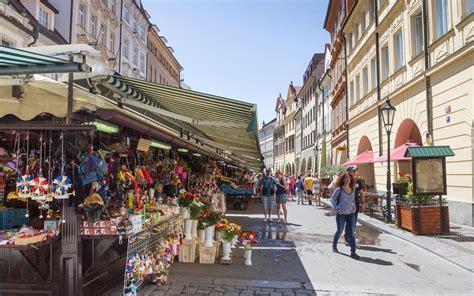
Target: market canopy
x=363, y=158
x=429, y=152
x=226, y=124
x=15, y=61
x=398, y=153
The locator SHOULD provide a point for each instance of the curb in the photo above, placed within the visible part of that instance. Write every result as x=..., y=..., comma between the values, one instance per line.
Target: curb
x=394, y=233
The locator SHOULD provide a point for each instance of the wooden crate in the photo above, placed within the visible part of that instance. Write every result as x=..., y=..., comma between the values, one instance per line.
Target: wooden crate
x=207, y=255
x=423, y=219
x=187, y=251
x=217, y=245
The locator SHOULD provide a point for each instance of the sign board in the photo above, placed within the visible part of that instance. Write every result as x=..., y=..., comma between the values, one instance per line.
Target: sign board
x=143, y=144
x=429, y=176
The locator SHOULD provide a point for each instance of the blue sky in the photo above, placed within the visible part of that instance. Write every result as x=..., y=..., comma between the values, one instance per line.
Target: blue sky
x=247, y=50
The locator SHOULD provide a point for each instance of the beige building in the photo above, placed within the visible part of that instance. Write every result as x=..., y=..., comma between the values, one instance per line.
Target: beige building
x=163, y=67
x=289, y=123
x=94, y=22
x=279, y=140
x=443, y=116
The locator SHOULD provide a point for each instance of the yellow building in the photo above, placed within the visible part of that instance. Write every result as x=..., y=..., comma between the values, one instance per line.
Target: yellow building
x=441, y=116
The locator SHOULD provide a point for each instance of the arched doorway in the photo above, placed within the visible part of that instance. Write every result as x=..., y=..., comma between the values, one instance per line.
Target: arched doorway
x=366, y=169
x=293, y=170
x=408, y=131
x=303, y=166
x=309, y=165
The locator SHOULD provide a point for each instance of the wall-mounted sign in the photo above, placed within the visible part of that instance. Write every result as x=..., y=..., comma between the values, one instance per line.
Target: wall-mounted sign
x=429, y=176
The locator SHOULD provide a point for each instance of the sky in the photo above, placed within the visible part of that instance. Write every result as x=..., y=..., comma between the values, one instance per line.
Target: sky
x=247, y=50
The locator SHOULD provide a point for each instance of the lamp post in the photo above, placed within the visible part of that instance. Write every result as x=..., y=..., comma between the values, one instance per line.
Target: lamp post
x=388, y=113
x=316, y=164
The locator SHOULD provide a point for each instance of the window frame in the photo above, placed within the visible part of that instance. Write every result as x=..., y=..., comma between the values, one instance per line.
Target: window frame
x=45, y=17
x=126, y=48
x=93, y=31
x=385, y=67
x=436, y=34
x=365, y=81
x=398, y=50
x=81, y=15
x=414, y=18
x=373, y=73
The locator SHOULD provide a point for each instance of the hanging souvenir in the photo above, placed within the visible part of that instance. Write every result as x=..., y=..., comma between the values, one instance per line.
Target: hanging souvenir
x=39, y=188
x=23, y=185
x=61, y=187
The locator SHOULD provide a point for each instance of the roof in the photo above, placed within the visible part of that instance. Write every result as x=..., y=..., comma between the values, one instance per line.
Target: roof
x=429, y=152
x=15, y=61
x=226, y=124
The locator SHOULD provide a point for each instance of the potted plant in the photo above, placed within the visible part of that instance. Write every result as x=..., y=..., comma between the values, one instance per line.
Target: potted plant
x=229, y=232
x=400, y=186
x=247, y=239
x=421, y=214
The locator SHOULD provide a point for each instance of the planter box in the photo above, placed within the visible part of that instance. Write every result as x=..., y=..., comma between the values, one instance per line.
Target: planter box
x=423, y=219
x=187, y=251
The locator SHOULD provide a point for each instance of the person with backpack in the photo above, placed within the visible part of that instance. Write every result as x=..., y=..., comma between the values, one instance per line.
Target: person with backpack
x=299, y=190
x=267, y=189
x=343, y=200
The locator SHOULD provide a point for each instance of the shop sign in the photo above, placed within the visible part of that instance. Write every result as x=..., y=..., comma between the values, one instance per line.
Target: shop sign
x=143, y=145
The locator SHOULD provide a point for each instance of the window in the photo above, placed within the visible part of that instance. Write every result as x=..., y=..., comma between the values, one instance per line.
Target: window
x=112, y=42
x=135, y=25
x=441, y=17
x=362, y=22
x=371, y=11
x=381, y=3
x=6, y=43
x=373, y=73
x=144, y=29
x=135, y=56
x=126, y=14
x=103, y=35
x=350, y=41
x=385, y=63
x=113, y=6
x=142, y=63
x=399, y=56
x=351, y=92
x=356, y=34
x=357, y=88
x=417, y=31
x=365, y=81
x=43, y=18
x=81, y=16
x=125, y=48
x=468, y=7
x=93, y=25
x=105, y=2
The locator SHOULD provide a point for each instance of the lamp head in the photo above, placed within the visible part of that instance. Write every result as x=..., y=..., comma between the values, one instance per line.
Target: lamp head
x=388, y=114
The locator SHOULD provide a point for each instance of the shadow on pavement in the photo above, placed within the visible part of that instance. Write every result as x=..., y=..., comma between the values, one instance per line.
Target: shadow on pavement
x=370, y=260
x=375, y=249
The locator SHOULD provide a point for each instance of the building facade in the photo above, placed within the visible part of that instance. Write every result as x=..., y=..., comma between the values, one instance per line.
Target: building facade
x=430, y=86
x=323, y=116
x=279, y=146
x=307, y=95
x=298, y=136
x=335, y=16
x=93, y=22
x=163, y=67
x=29, y=23
x=265, y=136
x=289, y=122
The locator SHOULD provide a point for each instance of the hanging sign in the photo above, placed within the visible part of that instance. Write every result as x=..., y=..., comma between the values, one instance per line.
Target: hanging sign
x=143, y=144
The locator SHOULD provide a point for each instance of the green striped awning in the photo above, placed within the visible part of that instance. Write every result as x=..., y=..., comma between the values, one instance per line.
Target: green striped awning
x=14, y=61
x=429, y=151
x=223, y=123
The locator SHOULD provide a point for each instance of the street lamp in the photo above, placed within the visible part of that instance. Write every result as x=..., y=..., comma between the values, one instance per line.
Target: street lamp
x=388, y=113
x=316, y=164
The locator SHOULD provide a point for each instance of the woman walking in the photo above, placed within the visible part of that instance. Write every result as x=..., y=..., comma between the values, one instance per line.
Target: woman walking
x=344, y=203
x=317, y=189
x=281, y=193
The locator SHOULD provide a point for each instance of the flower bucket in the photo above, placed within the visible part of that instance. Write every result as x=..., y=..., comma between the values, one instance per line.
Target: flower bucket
x=194, y=229
x=208, y=236
x=248, y=257
x=201, y=234
x=188, y=225
x=226, y=248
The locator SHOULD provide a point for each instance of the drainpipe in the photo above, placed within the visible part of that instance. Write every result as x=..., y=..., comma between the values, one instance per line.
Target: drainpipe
x=429, y=97
x=346, y=97
x=121, y=32
x=322, y=115
x=377, y=60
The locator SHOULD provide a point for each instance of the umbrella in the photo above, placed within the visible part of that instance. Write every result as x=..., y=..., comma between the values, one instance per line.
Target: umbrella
x=397, y=154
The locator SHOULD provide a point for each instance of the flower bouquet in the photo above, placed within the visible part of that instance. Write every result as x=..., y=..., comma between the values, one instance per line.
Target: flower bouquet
x=186, y=199
x=247, y=239
x=228, y=230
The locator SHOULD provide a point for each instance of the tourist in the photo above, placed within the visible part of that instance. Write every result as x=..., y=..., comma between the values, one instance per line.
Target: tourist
x=299, y=189
x=317, y=189
x=281, y=193
x=343, y=202
x=358, y=195
x=308, y=187
x=267, y=189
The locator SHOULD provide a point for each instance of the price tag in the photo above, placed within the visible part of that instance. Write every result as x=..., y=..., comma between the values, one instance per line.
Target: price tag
x=143, y=145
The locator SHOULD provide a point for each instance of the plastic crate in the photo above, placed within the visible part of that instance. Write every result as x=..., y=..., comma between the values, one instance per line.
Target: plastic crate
x=12, y=218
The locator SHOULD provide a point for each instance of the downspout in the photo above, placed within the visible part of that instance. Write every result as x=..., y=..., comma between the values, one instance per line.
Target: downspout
x=346, y=97
x=121, y=37
x=323, y=130
x=377, y=59
x=35, y=33
x=429, y=98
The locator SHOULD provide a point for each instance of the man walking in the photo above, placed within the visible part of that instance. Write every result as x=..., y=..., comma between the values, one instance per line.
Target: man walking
x=267, y=189
x=299, y=190
x=308, y=187
x=359, y=187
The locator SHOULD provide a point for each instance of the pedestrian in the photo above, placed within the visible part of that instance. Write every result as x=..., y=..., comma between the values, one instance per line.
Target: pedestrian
x=308, y=187
x=299, y=190
x=317, y=189
x=281, y=193
x=292, y=187
x=267, y=189
x=343, y=202
x=358, y=195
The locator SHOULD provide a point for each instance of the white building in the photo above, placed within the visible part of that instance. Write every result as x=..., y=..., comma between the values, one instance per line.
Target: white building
x=307, y=95
x=265, y=136
x=93, y=22
x=279, y=135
